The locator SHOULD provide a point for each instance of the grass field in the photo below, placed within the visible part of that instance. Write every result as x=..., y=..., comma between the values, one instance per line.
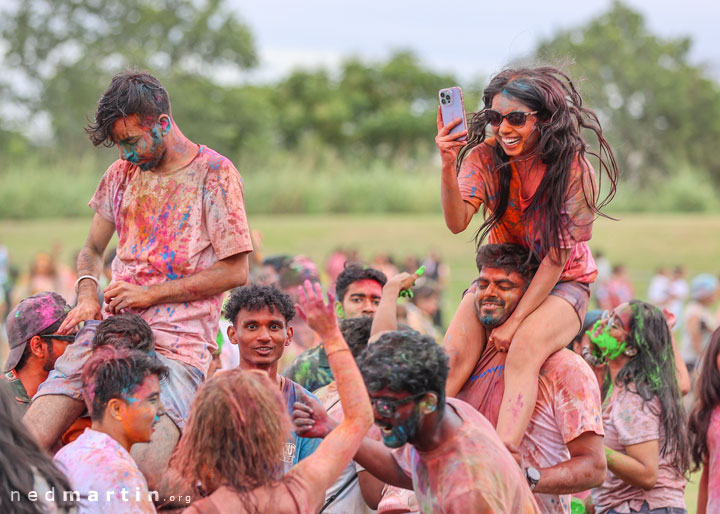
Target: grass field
x=641, y=242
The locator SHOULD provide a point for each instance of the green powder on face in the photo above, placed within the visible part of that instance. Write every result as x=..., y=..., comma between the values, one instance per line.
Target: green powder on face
x=609, y=347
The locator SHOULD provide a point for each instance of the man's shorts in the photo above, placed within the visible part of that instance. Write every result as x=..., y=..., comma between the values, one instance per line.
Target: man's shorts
x=177, y=390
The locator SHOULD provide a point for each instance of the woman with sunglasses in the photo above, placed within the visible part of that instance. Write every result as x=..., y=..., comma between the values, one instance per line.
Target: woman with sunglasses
x=525, y=163
x=231, y=451
x=646, y=440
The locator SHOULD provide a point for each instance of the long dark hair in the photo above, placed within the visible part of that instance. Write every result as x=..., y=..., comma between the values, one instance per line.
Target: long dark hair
x=561, y=117
x=21, y=460
x=652, y=375
x=707, y=397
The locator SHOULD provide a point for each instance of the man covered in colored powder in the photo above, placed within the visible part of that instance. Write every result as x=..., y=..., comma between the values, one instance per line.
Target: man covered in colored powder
x=122, y=391
x=35, y=345
x=443, y=449
x=183, y=240
x=358, y=291
x=260, y=317
x=562, y=449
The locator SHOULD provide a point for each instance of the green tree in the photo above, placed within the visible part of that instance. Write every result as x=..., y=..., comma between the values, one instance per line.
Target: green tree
x=381, y=109
x=659, y=111
x=62, y=53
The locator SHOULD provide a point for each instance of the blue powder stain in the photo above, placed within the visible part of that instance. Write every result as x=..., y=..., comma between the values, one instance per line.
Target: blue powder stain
x=185, y=217
x=498, y=368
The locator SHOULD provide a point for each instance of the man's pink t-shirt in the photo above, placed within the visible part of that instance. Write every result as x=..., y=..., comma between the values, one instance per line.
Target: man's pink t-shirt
x=629, y=420
x=479, y=184
x=471, y=472
x=713, y=464
x=568, y=405
x=171, y=226
x=104, y=474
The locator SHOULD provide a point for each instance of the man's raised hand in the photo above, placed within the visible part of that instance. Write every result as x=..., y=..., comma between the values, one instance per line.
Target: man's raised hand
x=311, y=307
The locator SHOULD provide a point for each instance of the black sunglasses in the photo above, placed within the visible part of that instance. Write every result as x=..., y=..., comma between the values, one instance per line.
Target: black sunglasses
x=386, y=408
x=515, y=118
x=59, y=337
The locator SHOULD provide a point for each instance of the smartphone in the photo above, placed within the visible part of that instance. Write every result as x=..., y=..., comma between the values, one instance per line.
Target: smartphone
x=453, y=107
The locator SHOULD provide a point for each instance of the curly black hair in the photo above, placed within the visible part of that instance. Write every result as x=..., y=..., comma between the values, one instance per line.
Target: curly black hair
x=125, y=331
x=130, y=92
x=356, y=332
x=257, y=297
x=355, y=272
x=111, y=373
x=405, y=361
x=509, y=257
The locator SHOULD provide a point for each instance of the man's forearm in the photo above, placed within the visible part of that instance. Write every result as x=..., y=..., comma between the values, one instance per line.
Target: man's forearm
x=89, y=262
x=377, y=459
x=385, y=318
x=218, y=278
x=577, y=474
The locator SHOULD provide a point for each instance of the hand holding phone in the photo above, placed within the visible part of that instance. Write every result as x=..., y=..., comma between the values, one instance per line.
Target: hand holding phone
x=452, y=107
x=452, y=127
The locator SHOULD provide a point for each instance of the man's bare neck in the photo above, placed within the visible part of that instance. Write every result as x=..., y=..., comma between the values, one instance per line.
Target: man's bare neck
x=31, y=377
x=180, y=152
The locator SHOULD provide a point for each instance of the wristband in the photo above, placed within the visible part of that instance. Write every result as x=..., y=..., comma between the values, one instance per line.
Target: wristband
x=336, y=351
x=77, y=282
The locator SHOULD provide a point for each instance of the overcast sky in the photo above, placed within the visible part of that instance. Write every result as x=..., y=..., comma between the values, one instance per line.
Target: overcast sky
x=467, y=38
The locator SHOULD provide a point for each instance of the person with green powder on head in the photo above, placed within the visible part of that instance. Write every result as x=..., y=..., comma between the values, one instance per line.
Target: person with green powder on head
x=646, y=441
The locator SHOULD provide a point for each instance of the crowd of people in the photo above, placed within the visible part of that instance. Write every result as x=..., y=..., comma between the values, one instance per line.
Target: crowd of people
x=353, y=398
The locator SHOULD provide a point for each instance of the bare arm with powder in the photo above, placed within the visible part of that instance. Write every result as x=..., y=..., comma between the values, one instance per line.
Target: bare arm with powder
x=584, y=470
x=457, y=211
x=222, y=276
x=89, y=262
x=322, y=468
x=385, y=319
x=638, y=466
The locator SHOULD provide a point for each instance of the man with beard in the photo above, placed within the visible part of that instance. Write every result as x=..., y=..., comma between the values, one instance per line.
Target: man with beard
x=562, y=450
x=453, y=459
x=34, y=342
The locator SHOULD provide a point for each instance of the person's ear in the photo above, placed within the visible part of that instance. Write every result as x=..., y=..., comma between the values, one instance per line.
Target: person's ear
x=429, y=403
x=339, y=310
x=288, y=336
x=630, y=351
x=232, y=334
x=38, y=347
x=116, y=407
x=165, y=124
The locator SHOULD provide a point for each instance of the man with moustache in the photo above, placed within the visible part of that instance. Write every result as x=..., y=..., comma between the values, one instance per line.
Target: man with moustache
x=562, y=450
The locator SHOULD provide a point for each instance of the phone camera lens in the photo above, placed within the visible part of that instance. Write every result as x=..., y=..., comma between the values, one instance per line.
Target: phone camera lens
x=443, y=101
